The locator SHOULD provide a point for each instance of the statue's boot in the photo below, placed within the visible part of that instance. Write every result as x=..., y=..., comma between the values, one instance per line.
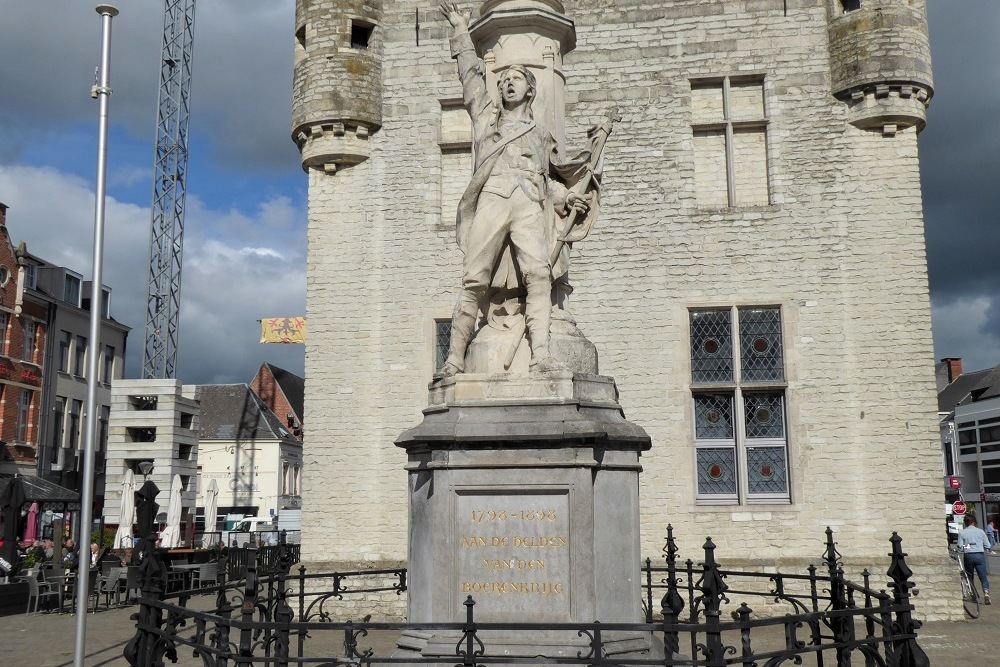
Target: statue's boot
x=537, y=319
x=463, y=320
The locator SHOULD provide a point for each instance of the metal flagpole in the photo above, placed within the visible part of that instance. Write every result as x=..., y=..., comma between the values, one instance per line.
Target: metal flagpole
x=102, y=92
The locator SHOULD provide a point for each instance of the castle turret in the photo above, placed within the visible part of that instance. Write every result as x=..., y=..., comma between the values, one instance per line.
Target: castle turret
x=880, y=62
x=337, y=88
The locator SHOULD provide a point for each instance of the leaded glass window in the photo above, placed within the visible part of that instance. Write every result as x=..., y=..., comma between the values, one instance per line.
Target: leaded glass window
x=713, y=416
x=767, y=471
x=760, y=345
x=711, y=346
x=717, y=471
x=442, y=341
x=764, y=415
x=740, y=432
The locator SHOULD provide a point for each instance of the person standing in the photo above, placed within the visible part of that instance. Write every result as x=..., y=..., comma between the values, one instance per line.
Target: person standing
x=991, y=533
x=974, y=544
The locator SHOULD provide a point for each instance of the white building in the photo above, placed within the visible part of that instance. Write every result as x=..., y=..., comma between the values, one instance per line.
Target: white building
x=254, y=458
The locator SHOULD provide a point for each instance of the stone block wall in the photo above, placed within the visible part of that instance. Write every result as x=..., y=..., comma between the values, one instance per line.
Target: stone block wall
x=839, y=247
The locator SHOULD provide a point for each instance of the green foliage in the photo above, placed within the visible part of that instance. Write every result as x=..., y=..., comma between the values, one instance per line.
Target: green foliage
x=107, y=541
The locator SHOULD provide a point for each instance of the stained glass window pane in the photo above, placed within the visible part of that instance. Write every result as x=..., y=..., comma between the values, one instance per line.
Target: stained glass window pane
x=442, y=341
x=760, y=345
x=713, y=416
x=716, y=470
x=767, y=470
x=764, y=415
x=711, y=346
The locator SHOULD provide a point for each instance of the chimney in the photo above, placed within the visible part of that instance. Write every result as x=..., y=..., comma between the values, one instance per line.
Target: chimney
x=954, y=365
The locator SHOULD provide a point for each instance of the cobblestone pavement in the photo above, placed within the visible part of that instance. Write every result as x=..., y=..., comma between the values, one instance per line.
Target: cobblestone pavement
x=46, y=640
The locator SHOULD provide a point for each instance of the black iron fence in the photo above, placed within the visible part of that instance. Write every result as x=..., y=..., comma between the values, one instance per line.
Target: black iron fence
x=277, y=617
x=238, y=559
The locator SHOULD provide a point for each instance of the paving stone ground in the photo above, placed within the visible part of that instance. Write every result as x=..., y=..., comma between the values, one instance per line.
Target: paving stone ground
x=47, y=640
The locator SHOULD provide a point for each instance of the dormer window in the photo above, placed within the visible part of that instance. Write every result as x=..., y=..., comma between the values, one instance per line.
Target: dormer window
x=71, y=289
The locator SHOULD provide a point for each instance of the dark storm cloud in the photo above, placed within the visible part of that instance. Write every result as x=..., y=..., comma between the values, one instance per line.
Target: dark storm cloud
x=960, y=164
x=241, y=85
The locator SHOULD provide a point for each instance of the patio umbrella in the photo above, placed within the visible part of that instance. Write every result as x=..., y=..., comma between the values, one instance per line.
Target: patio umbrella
x=146, y=508
x=31, y=531
x=211, y=512
x=10, y=504
x=171, y=536
x=126, y=512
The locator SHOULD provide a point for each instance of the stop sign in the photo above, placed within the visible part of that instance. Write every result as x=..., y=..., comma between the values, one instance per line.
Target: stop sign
x=958, y=507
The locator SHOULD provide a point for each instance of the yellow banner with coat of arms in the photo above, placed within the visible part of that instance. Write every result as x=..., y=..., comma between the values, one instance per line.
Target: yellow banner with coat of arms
x=289, y=330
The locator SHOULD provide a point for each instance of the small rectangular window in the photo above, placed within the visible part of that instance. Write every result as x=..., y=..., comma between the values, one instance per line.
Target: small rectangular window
x=65, y=345
x=57, y=423
x=76, y=407
x=23, y=415
x=109, y=363
x=850, y=5
x=141, y=434
x=102, y=436
x=4, y=320
x=442, y=342
x=71, y=290
x=361, y=35
x=30, y=276
x=28, y=349
x=142, y=402
x=79, y=360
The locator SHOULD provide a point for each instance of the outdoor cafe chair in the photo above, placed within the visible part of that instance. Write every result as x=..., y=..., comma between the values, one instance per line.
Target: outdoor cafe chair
x=206, y=575
x=109, y=585
x=38, y=591
x=132, y=588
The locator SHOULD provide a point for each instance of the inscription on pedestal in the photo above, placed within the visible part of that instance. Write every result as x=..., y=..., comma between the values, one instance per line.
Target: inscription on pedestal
x=514, y=554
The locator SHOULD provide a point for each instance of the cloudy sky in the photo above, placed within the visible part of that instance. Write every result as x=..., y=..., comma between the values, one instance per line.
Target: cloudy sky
x=244, y=252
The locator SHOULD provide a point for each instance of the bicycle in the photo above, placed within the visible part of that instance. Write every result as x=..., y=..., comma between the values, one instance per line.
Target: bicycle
x=970, y=596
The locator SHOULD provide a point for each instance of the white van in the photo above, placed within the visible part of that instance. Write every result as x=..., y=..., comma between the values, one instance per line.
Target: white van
x=250, y=529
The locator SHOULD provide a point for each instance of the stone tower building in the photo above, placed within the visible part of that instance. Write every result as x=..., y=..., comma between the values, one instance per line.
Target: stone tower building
x=756, y=283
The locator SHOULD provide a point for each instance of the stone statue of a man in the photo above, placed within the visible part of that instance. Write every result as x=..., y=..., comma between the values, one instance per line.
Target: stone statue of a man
x=513, y=191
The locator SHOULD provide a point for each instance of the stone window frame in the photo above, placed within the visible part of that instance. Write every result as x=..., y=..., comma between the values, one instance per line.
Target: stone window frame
x=730, y=126
x=736, y=390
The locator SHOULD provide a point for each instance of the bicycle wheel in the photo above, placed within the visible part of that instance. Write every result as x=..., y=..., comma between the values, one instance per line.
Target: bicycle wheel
x=970, y=597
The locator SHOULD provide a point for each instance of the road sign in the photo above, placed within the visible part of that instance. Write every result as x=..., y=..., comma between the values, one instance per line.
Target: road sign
x=958, y=507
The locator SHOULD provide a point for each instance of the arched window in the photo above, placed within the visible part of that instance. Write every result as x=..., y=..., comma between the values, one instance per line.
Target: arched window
x=297, y=484
x=284, y=478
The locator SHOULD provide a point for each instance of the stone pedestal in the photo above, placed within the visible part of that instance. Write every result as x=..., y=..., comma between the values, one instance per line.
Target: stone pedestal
x=524, y=494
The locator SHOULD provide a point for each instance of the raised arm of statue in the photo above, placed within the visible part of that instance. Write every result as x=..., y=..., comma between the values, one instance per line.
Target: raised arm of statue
x=470, y=72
